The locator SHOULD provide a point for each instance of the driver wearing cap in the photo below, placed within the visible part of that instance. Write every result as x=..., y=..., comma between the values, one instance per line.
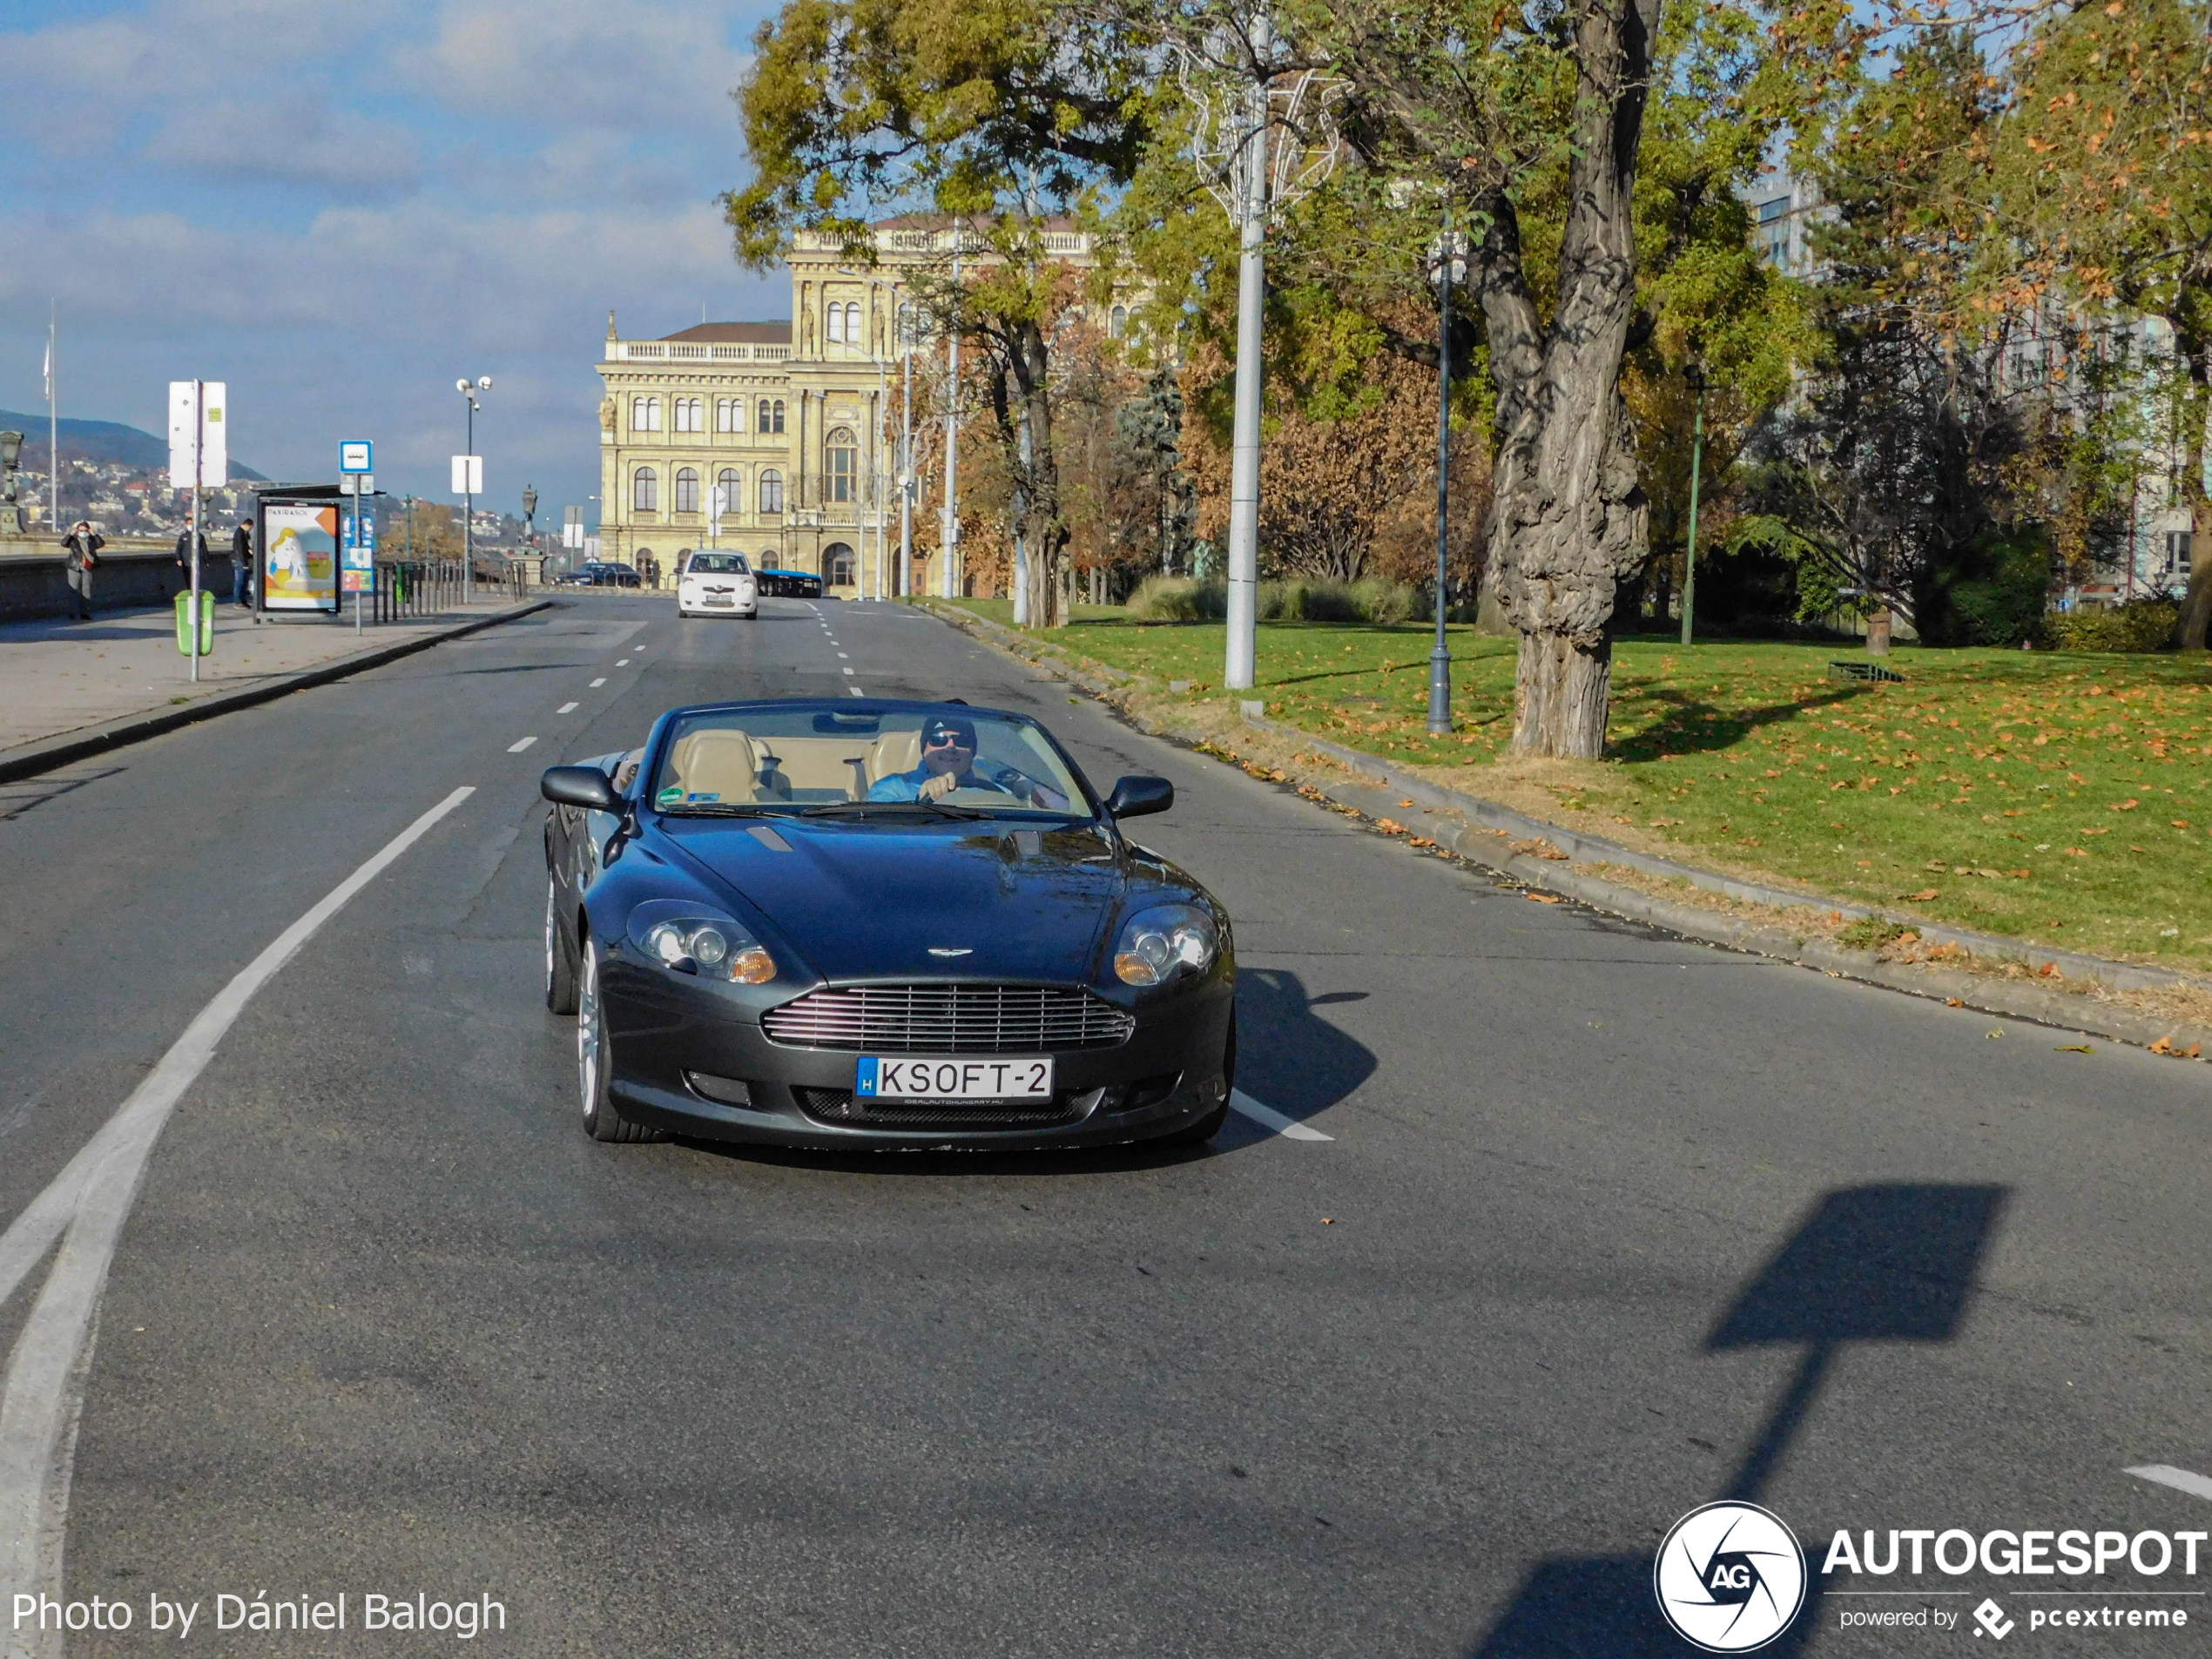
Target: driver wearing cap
x=947, y=764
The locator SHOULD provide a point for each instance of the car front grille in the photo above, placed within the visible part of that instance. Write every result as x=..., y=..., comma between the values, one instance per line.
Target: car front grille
x=948, y=1019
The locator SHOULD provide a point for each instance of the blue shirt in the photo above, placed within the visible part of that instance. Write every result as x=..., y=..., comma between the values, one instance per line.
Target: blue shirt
x=906, y=785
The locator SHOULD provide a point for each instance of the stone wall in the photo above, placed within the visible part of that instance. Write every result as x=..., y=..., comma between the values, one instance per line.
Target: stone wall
x=131, y=574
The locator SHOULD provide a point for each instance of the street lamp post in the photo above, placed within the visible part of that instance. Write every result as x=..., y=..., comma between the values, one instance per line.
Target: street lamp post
x=1696, y=376
x=469, y=390
x=1447, y=263
x=530, y=523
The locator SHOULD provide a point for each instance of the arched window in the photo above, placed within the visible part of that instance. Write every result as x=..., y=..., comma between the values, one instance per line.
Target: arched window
x=687, y=489
x=775, y=415
x=844, y=467
x=855, y=333
x=1118, y=322
x=644, y=490
x=762, y=424
x=644, y=415
x=840, y=567
x=729, y=414
x=772, y=491
x=689, y=413
x=835, y=331
x=732, y=488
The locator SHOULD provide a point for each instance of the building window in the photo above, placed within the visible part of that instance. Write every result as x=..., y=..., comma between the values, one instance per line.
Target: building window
x=775, y=417
x=844, y=467
x=1768, y=211
x=835, y=331
x=732, y=488
x=2177, y=552
x=687, y=489
x=644, y=491
x=1117, y=321
x=644, y=415
x=729, y=414
x=772, y=491
x=839, y=566
x=690, y=414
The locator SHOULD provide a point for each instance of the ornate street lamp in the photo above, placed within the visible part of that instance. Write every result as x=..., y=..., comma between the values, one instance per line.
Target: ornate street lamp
x=1446, y=264
x=11, y=465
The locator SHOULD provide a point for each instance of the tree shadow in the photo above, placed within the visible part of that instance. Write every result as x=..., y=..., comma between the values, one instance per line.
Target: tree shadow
x=1688, y=733
x=1877, y=1264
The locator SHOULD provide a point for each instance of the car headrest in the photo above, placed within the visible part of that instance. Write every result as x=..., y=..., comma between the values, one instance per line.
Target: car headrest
x=719, y=762
x=893, y=752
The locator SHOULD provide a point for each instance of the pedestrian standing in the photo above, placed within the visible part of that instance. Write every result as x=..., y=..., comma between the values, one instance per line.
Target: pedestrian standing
x=81, y=549
x=242, y=566
x=184, y=555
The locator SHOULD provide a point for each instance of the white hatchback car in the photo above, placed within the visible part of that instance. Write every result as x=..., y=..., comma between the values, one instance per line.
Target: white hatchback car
x=718, y=585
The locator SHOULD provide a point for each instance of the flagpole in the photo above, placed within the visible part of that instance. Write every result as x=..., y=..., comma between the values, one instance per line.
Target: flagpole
x=53, y=433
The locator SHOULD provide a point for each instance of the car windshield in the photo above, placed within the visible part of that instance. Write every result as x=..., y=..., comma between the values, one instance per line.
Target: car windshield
x=716, y=564
x=860, y=764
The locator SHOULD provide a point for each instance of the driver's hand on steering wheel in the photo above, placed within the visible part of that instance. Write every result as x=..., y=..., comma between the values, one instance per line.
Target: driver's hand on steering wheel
x=938, y=786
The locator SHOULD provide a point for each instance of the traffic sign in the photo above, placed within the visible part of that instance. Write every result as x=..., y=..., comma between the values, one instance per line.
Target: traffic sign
x=468, y=474
x=198, y=435
x=354, y=455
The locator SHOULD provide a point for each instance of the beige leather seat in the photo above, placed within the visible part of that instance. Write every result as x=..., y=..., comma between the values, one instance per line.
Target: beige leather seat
x=719, y=762
x=812, y=768
x=893, y=752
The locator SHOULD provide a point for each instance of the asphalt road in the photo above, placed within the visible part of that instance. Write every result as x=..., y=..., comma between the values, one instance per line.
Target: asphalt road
x=1608, y=1225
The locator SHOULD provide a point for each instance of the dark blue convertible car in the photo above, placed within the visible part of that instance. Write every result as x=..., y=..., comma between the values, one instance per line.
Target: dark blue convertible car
x=837, y=924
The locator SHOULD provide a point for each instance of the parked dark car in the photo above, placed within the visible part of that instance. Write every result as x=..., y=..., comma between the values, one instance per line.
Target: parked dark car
x=828, y=923
x=600, y=575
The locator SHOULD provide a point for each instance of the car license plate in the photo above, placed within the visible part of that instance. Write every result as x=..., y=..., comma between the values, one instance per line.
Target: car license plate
x=720, y=599
x=892, y=1077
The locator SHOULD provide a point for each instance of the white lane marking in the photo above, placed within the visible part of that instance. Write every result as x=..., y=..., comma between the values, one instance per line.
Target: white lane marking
x=517, y=748
x=1267, y=1117
x=845, y=671
x=624, y=662
x=566, y=708
x=856, y=690
x=841, y=657
x=597, y=684
x=2180, y=1480
x=92, y=1196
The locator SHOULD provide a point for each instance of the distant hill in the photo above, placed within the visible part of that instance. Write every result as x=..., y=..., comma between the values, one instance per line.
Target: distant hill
x=99, y=440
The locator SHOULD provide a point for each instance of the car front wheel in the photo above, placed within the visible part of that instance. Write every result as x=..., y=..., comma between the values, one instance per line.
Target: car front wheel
x=594, y=1062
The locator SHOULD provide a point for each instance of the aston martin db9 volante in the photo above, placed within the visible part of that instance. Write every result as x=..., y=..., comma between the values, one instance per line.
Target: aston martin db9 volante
x=837, y=924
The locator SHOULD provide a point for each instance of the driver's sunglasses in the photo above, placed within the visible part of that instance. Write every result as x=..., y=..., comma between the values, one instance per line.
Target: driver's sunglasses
x=944, y=740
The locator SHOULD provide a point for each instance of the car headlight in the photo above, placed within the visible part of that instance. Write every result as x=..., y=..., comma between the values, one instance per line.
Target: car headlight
x=1158, y=944
x=713, y=946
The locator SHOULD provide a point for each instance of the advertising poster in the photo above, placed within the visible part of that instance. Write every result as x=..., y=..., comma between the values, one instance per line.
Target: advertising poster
x=358, y=570
x=302, y=563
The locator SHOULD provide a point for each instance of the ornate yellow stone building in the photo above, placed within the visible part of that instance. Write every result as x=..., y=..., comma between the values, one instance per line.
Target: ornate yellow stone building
x=795, y=418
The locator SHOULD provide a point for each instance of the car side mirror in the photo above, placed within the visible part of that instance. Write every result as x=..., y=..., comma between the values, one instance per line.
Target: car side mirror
x=1134, y=797
x=585, y=786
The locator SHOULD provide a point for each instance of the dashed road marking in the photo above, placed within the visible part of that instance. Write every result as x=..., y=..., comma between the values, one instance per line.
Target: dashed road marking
x=2180, y=1480
x=624, y=662
x=856, y=690
x=517, y=748
x=597, y=684
x=566, y=708
x=846, y=670
x=1267, y=1117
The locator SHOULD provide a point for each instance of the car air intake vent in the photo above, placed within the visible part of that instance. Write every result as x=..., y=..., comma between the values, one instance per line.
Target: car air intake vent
x=840, y=1106
x=948, y=1019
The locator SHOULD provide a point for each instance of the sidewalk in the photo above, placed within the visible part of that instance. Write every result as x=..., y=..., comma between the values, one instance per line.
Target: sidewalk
x=60, y=678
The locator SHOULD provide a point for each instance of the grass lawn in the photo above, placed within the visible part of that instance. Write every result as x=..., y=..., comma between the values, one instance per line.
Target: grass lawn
x=2053, y=796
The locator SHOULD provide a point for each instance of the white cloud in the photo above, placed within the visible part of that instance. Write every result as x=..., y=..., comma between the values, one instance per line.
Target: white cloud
x=298, y=139
x=642, y=64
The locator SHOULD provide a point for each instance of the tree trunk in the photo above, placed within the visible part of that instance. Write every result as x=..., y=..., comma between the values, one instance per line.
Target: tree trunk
x=1047, y=529
x=2197, y=608
x=1568, y=518
x=1562, y=690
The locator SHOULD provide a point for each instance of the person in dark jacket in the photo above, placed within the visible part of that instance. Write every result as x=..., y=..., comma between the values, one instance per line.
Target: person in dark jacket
x=184, y=555
x=242, y=565
x=82, y=546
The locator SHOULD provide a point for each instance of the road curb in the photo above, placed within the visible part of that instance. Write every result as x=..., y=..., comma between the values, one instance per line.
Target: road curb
x=1493, y=829
x=32, y=758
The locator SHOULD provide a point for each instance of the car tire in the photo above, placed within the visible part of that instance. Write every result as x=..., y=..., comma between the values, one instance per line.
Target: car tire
x=1206, y=1127
x=601, y=1121
x=560, y=967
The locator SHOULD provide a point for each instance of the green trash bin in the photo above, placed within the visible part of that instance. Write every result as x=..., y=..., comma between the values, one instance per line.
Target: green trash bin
x=206, y=624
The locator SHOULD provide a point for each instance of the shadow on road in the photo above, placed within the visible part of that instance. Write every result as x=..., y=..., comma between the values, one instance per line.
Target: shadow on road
x=1289, y=1058
x=1879, y=1264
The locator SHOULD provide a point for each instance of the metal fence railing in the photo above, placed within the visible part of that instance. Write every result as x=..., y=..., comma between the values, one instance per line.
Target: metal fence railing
x=411, y=588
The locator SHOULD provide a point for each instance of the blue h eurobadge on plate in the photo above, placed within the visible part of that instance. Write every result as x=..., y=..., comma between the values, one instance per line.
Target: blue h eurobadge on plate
x=871, y=1072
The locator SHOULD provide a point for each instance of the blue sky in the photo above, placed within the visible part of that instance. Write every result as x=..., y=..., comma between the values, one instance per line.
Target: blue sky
x=340, y=208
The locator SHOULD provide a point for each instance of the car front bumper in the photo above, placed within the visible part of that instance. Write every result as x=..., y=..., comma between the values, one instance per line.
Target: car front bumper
x=691, y=1059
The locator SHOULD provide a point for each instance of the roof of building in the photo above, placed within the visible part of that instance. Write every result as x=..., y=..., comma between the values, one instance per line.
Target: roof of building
x=731, y=334
x=969, y=221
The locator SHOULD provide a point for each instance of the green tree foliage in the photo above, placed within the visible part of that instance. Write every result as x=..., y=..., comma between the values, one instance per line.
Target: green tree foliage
x=1005, y=115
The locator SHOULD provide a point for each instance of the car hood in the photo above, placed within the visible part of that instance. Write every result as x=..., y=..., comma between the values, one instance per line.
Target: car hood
x=870, y=900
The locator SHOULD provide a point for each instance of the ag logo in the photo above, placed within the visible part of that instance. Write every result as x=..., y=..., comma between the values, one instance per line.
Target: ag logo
x=1729, y=1577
